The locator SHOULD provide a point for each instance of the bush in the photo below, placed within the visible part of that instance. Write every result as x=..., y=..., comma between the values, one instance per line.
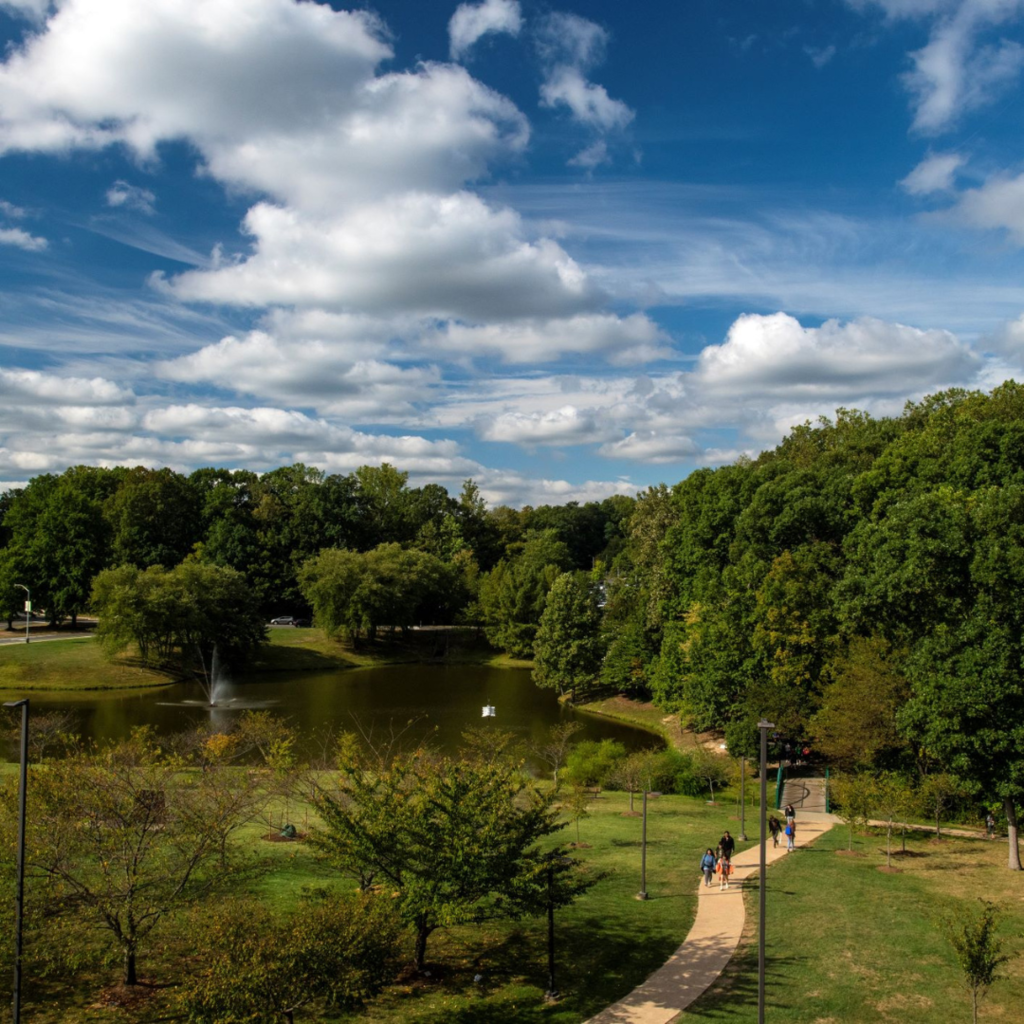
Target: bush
x=593, y=764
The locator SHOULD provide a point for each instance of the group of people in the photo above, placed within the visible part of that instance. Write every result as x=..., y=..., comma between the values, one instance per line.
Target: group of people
x=720, y=861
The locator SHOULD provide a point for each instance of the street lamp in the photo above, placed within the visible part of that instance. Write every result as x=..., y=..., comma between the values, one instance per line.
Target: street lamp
x=28, y=609
x=642, y=894
x=20, y=899
x=764, y=726
x=743, y=799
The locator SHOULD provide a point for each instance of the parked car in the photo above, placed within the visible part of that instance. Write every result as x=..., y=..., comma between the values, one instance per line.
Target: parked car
x=283, y=620
x=303, y=623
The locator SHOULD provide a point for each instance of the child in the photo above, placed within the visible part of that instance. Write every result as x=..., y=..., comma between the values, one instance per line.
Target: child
x=724, y=870
x=707, y=865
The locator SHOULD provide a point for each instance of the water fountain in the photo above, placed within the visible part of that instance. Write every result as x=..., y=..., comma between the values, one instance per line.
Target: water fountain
x=216, y=686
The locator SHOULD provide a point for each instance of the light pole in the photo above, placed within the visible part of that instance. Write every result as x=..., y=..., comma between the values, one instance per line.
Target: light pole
x=642, y=894
x=764, y=726
x=28, y=609
x=20, y=898
x=743, y=799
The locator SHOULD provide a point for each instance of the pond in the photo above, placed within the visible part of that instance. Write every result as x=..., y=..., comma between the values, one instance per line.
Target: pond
x=423, y=702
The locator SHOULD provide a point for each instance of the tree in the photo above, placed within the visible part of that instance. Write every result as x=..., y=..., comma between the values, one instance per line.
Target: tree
x=638, y=771
x=451, y=837
x=937, y=791
x=178, y=616
x=556, y=748
x=127, y=839
x=577, y=806
x=593, y=762
x=568, y=645
x=893, y=798
x=978, y=951
x=853, y=796
x=333, y=951
x=711, y=767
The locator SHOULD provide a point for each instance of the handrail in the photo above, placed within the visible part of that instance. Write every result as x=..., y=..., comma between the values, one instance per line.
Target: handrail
x=779, y=782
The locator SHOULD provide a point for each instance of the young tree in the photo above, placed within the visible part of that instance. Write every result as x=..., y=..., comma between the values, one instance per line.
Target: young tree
x=577, y=807
x=711, y=767
x=568, y=646
x=853, y=796
x=334, y=952
x=556, y=748
x=128, y=839
x=978, y=951
x=893, y=798
x=637, y=772
x=937, y=791
x=410, y=823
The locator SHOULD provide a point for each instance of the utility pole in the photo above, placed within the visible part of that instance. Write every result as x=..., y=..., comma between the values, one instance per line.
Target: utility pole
x=20, y=891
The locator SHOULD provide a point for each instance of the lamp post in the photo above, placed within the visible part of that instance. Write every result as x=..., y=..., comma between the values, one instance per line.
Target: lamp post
x=764, y=726
x=20, y=897
x=28, y=609
x=642, y=894
x=743, y=799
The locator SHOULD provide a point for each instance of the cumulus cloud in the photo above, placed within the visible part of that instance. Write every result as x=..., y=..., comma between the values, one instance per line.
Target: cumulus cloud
x=567, y=425
x=935, y=173
x=651, y=446
x=471, y=21
x=330, y=376
x=30, y=387
x=131, y=197
x=444, y=256
x=569, y=39
x=590, y=104
x=620, y=340
x=10, y=210
x=235, y=78
x=998, y=204
x=22, y=240
x=776, y=355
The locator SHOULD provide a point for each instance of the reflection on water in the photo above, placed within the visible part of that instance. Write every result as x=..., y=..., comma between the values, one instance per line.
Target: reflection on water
x=435, y=702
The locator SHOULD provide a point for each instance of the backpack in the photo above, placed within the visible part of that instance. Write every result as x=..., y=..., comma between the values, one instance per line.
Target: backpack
x=789, y=830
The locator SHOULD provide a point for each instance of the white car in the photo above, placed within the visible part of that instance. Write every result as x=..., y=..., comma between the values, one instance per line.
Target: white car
x=283, y=620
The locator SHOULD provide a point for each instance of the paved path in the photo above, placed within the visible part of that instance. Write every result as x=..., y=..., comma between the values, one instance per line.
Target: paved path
x=43, y=638
x=710, y=943
x=804, y=792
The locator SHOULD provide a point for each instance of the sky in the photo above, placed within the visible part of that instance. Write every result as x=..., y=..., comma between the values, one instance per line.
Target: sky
x=568, y=249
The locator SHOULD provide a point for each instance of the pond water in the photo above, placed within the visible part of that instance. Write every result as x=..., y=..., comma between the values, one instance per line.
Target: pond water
x=424, y=702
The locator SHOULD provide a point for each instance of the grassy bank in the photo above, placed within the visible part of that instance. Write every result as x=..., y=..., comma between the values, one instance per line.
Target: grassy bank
x=849, y=943
x=607, y=943
x=80, y=664
x=73, y=664
x=645, y=715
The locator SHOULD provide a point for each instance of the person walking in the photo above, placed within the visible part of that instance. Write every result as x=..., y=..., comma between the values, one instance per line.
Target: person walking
x=791, y=833
x=724, y=869
x=727, y=845
x=790, y=814
x=990, y=825
x=707, y=865
x=774, y=827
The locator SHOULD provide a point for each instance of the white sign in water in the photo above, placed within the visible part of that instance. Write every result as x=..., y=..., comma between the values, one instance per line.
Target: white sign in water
x=488, y=711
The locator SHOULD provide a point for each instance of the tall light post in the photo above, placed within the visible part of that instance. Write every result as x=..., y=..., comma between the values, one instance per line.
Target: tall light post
x=764, y=726
x=28, y=609
x=642, y=894
x=20, y=898
x=743, y=799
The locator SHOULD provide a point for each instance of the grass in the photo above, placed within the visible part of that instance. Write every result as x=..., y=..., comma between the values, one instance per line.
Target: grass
x=73, y=664
x=81, y=664
x=606, y=944
x=848, y=943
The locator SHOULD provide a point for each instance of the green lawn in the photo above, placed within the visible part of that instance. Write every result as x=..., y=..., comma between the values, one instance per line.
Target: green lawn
x=607, y=943
x=71, y=664
x=849, y=944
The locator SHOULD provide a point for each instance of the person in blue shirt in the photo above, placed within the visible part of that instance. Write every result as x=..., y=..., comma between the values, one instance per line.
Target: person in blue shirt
x=707, y=865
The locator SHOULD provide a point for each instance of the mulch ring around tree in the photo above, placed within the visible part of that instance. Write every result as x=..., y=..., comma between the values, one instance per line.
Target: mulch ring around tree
x=887, y=870
x=127, y=997
x=277, y=837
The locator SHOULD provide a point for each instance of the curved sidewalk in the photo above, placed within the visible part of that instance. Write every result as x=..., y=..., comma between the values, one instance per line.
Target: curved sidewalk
x=711, y=941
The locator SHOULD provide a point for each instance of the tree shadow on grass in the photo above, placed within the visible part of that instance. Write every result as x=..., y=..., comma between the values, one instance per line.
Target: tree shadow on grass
x=737, y=987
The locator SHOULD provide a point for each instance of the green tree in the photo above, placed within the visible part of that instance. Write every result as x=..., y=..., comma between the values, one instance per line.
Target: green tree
x=893, y=799
x=978, y=951
x=452, y=837
x=568, y=645
x=853, y=796
x=332, y=952
x=593, y=762
x=937, y=792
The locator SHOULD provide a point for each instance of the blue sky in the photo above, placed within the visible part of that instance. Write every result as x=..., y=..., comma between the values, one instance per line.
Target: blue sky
x=567, y=249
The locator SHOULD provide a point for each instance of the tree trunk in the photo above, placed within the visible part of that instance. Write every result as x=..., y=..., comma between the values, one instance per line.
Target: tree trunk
x=74, y=620
x=938, y=831
x=974, y=1003
x=631, y=801
x=888, y=846
x=130, y=977
x=422, y=934
x=1011, y=830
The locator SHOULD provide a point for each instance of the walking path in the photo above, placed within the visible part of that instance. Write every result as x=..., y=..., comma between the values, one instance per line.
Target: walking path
x=710, y=943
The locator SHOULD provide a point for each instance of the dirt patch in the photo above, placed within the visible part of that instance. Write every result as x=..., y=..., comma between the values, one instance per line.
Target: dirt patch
x=276, y=837
x=126, y=997
x=579, y=846
x=902, y=1001
x=887, y=870
x=631, y=814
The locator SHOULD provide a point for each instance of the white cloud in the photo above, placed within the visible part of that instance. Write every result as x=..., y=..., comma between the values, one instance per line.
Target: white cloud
x=330, y=376
x=471, y=21
x=443, y=256
x=592, y=156
x=30, y=387
x=22, y=240
x=563, y=38
x=998, y=204
x=131, y=197
x=776, y=356
x=651, y=446
x=620, y=340
x=235, y=77
x=10, y=210
x=935, y=173
x=590, y=104
x=567, y=425
x=820, y=56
